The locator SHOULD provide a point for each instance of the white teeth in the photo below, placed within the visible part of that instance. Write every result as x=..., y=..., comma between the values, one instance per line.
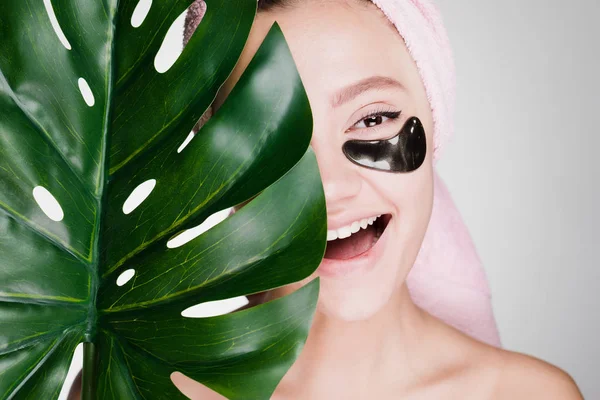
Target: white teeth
x=344, y=232
x=348, y=230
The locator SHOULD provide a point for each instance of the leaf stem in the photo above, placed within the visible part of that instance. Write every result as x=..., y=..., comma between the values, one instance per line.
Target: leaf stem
x=90, y=358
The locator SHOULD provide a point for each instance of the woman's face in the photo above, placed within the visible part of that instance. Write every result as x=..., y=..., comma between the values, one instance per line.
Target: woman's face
x=353, y=63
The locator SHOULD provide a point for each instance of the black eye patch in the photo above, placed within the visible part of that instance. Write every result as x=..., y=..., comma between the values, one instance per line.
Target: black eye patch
x=405, y=152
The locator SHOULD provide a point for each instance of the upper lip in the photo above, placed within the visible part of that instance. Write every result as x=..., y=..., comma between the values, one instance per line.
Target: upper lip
x=334, y=224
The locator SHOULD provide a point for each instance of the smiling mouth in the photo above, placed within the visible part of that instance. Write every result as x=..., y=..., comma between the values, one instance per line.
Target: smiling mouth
x=359, y=242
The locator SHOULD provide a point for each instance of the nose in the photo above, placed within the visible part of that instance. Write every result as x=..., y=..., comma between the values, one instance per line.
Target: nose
x=341, y=181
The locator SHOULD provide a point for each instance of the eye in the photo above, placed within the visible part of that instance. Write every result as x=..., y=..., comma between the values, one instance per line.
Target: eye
x=375, y=119
x=371, y=121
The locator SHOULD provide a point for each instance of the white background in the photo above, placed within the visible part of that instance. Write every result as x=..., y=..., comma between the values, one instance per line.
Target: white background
x=523, y=169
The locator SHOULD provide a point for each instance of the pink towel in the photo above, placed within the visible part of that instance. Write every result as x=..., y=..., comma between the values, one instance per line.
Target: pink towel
x=448, y=279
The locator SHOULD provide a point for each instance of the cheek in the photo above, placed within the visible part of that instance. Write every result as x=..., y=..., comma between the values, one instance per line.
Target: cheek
x=409, y=197
x=414, y=199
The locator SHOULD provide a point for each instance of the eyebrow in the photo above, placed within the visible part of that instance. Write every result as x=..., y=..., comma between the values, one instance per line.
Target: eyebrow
x=352, y=91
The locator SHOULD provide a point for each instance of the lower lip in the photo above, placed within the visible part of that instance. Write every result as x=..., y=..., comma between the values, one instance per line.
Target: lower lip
x=359, y=265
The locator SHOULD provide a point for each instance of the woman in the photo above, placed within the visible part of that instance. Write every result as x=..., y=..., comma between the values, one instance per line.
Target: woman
x=372, y=337
x=447, y=279
x=369, y=340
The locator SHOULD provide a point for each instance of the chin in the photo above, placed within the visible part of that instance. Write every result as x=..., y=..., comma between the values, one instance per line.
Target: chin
x=368, y=284
x=359, y=288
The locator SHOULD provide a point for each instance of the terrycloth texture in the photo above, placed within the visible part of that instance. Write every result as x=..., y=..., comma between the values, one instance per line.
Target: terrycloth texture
x=447, y=279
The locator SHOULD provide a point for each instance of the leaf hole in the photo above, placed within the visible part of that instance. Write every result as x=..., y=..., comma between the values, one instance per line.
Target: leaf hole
x=74, y=368
x=125, y=277
x=138, y=195
x=171, y=47
x=48, y=203
x=140, y=12
x=187, y=141
x=188, y=235
x=215, y=308
x=55, y=25
x=86, y=92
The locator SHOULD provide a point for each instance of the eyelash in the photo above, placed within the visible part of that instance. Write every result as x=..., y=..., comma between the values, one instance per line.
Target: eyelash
x=378, y=113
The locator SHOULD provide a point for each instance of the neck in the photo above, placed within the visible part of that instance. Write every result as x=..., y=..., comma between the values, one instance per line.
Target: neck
x=343, y=359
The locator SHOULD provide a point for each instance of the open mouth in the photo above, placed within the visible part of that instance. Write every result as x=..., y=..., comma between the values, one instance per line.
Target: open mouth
x=359, y=242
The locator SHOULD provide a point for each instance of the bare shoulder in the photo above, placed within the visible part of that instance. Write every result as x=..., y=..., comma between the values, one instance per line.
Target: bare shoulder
x=525, y=377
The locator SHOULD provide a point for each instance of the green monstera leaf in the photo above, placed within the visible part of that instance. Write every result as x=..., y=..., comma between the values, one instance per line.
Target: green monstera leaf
x=86, y=154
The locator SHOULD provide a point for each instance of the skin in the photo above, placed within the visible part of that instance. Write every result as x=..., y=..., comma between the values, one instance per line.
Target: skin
x=368, y=339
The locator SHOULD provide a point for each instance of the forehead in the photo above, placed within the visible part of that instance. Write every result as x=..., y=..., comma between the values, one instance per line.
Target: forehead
x=334, y=43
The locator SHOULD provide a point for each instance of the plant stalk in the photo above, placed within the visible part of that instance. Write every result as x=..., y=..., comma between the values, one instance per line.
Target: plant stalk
x=89, y=375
